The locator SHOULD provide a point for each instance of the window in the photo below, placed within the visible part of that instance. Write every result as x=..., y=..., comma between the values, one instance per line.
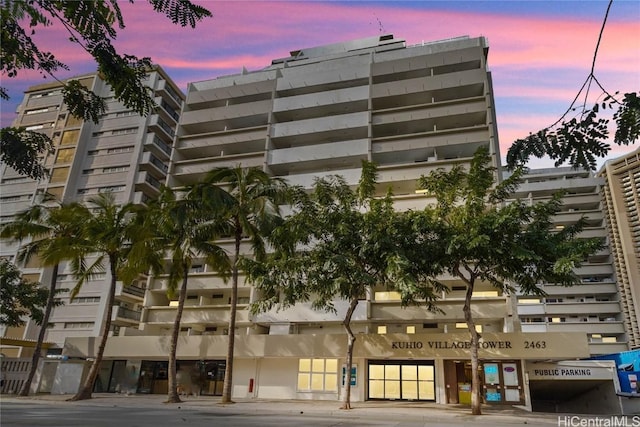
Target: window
x=59, y=175
x=85, y=300
x=93, y=152
x=126, y=149
x=318, y=375
x=111, y=189
x=78, y=325
x=124, y=131
x=65, y=155
x=387, y=296
x=411, y=329
x=70, y=137
x=98, y=276
x=88, y=171
x=529, y=301
x=39, y=110
x=382, y=329
x=113, y=169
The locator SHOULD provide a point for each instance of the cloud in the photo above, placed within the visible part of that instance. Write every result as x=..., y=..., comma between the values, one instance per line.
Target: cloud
x=538, y=60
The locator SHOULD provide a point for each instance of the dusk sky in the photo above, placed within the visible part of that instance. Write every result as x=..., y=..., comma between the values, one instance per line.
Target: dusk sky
x=540, y=51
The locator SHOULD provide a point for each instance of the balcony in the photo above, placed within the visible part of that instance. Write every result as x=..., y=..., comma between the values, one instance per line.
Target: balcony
x=427, y=118
x=336, y=155
x=582, y=308
x=587, y=327
x=204, y=314
x=200, y=282
x=294, y=132
x=157, y=146
x=227, y=117
x=320, y=104
x=145, y=181
x=172, y=96
x=214, y=144
x=129, y=292
x=161, y=128
x=303, y=313
x=152, y=164
x=189, y=171
x=490, y=308
x=122, y=315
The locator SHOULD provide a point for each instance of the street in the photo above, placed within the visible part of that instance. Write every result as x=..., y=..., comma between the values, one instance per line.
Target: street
x=51, y=414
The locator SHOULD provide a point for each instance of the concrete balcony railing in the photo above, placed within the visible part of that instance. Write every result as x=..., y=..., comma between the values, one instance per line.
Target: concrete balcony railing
x=126, y=314
x=608, y=348
x=587, y=327
x=129, y=291
x=221, y=143
x=582, y=289
x=303, y=312
x=191, y=170
x=206, y=315
x=320, y=125
x=432, y=83
x=320, y=99
x=200, y=281
x=320, y=153
x=582, y=308
x=489, y=308
x=227, y=112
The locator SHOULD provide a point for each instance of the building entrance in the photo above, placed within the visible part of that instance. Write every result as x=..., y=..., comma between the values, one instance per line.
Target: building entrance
x=401, y=380
x=501, y=382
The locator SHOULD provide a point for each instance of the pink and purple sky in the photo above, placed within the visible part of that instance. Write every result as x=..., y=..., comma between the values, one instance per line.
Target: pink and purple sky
x=540, y=51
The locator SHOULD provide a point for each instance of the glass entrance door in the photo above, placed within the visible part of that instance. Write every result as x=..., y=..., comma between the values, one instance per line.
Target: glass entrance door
x=402, y=380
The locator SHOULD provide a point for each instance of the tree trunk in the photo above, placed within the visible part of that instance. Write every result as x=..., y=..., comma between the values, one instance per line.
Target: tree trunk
x=228, y=373
x=24, y=391
x=87, y=388
x=475, y=374
x=351, y=340
x=173, y=396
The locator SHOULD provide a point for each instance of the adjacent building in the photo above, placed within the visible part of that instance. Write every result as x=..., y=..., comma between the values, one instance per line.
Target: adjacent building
x=124, y=154
x=621, y=203
x=594, y=306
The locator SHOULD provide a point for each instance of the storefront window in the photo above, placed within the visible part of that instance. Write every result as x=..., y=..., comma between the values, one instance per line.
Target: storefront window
x=318, y=375
x=401, y=380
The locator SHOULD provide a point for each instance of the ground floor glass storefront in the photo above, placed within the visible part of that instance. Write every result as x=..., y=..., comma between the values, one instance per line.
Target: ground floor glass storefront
x=200, y=377
x=401, y=380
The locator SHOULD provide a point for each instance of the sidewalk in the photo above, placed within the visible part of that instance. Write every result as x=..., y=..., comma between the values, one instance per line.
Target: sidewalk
x=425, y=411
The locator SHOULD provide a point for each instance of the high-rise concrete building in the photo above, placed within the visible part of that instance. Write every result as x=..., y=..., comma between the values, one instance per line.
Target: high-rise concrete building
x=318, y=112
x=621, y=202
x=125, y=154
x=594, y=306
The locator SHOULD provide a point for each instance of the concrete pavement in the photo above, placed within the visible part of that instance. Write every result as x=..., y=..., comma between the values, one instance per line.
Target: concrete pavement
x=387, y=410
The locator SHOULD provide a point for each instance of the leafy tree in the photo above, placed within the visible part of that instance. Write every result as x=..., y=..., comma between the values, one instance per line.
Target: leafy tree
x=109, y=232
x=337, y=244
x=52, y=232
x=252, y=213
x=19, y=298
x=490, y=242
x=583, y=138
x=186, y=228
x=93, y=25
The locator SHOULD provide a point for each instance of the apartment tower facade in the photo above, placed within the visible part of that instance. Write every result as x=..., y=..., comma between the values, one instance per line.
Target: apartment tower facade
x=123, y=154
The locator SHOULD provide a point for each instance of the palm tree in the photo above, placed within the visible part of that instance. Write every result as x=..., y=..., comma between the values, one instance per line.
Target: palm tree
x=253, y=211
x=186, y=228
x=109, y=232
x=53, y=231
